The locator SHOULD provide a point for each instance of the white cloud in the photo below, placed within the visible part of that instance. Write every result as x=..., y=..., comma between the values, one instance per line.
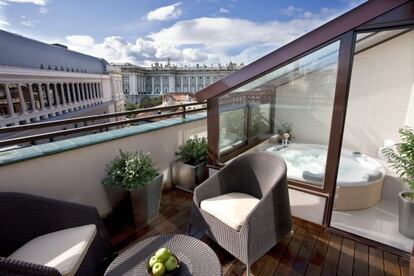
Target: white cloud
x=35, y=2
x=44, y=10
x=143, y=51
x=28, y=22
x=291, y=11
x=165, y=12
x=223, y=10
x=80, y=40
x=224, y=32
x=3, y=21
x=203, y=40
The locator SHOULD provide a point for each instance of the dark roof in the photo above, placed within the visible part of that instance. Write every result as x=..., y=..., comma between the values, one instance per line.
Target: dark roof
x=19, y=51
x=327, y=32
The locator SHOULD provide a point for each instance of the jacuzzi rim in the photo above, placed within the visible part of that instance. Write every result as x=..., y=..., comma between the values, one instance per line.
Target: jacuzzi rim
x=342, y=184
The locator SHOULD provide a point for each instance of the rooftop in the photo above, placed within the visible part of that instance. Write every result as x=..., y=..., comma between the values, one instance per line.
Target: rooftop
x=20, y=51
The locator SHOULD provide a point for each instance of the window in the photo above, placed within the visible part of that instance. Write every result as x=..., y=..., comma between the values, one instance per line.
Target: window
x=14, y=93
x=26, y=96
x=53, y=94
x=4, y=107
x=59, y=93
x=36, y=97
x=44, y=93
x=299, y=96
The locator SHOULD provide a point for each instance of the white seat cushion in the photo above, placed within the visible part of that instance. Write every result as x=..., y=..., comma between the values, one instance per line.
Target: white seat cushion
x=63, y=250
x=231, y=208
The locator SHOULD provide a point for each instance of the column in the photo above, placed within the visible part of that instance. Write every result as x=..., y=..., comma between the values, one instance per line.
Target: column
x=78, y=92
x=9, y=101
x=85, y=86
x=181, y=83
x=90, y=90
x=32, y=100
x=189, y=84
x=57, y=96
x=69, y=89
x=153, y=85
x=49, y=98
x=63, y=93
x=82, y=86
x=22, y=103
x=161, y=84
x=42, y=102
x=93, y=90
x=196, y=84
x=98, y=88
x=204, y=81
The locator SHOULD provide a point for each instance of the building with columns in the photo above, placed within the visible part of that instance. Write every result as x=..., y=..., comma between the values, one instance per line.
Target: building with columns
x=138, y=81
x=39, y=81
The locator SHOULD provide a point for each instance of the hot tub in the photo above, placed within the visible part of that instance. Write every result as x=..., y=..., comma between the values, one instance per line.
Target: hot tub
x=359, y=181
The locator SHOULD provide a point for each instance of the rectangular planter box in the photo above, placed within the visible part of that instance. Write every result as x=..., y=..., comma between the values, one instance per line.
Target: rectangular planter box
x=146, y=201
x=187, y=177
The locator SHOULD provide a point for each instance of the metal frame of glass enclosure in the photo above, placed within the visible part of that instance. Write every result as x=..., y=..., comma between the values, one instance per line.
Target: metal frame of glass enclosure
x=371, y=16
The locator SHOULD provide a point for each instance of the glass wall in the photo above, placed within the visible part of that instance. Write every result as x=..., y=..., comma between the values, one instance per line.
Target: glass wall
x=294, y=102
x=381, y=100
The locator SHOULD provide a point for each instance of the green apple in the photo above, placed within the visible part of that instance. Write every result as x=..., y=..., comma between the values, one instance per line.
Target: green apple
x=152, y=261
x=158, y=269
x=162, y=254
x=171, y=263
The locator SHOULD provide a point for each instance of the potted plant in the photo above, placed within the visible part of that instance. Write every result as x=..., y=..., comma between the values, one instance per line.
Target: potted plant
x=285, y=132
x=189, y=170
x=135, y=173
x=401, y=158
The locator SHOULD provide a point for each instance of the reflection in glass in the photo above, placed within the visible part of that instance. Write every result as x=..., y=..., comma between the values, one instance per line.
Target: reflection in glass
x=300, y=95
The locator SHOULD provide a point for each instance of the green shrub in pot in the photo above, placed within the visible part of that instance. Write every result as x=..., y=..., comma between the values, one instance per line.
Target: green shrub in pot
x=193, y=151
x=130, y=170
x=136, y=173
x=401, y=158
x=189, y=170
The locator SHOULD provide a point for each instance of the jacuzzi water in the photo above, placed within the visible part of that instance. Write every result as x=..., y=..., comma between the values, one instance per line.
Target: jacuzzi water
x=306, y=163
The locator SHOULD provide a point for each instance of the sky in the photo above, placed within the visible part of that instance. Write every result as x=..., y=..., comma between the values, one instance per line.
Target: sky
x=142, y=32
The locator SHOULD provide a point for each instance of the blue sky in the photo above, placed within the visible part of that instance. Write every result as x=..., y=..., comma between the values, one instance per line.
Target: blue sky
x=187, y=32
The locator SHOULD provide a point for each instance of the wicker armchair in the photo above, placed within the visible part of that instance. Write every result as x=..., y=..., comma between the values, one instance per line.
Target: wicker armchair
x=262, y=176
x=24, y=217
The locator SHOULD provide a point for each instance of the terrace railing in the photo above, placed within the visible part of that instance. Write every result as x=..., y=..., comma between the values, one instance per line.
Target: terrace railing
x=81, y=124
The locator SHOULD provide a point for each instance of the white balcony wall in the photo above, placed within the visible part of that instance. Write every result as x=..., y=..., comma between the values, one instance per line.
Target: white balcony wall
x=76, y=175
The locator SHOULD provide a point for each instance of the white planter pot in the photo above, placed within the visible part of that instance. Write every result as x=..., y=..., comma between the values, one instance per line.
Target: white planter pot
x=406, y=215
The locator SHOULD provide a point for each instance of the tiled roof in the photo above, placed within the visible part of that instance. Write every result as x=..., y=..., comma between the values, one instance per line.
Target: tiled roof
x=19, y=51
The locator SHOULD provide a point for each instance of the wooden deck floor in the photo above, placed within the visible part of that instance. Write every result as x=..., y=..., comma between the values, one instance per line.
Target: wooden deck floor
x=308, y=250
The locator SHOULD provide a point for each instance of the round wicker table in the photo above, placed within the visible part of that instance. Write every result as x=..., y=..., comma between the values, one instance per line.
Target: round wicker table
x=196, y=257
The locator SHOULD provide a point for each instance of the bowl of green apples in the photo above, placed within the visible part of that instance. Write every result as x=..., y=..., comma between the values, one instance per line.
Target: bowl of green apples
x=163, y=263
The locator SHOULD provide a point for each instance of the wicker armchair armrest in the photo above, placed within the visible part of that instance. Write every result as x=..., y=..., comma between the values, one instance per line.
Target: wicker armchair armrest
x=14, y=267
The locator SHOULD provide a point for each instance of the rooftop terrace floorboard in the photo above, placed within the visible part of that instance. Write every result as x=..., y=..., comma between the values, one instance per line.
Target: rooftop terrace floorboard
x=307, y=250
